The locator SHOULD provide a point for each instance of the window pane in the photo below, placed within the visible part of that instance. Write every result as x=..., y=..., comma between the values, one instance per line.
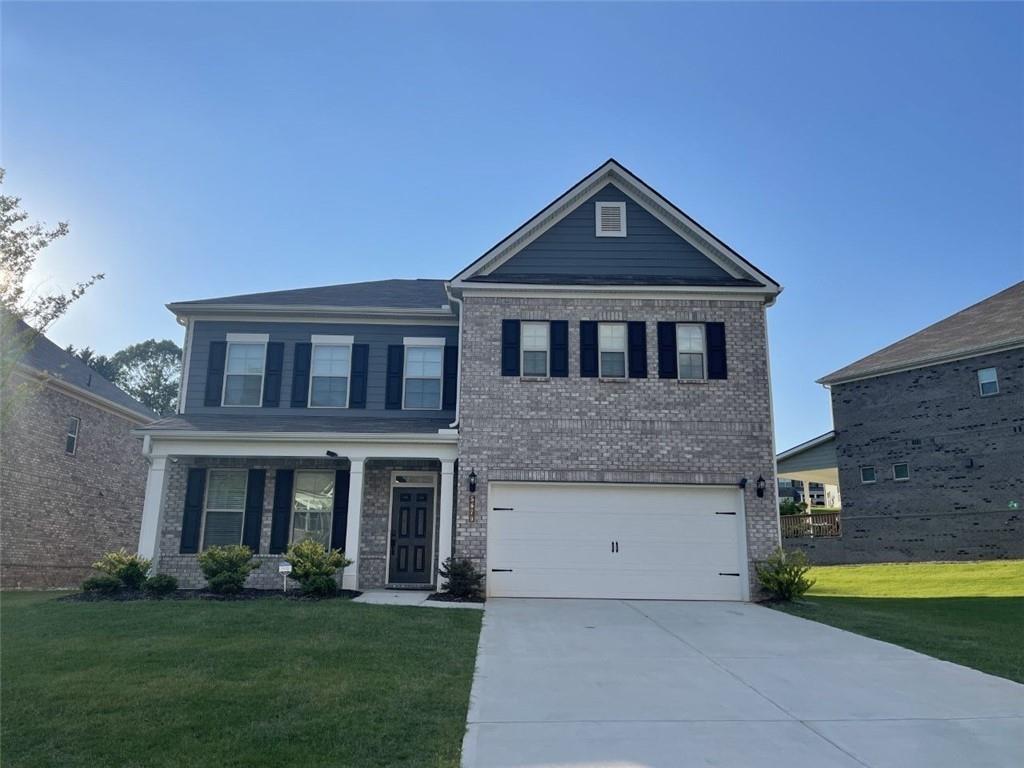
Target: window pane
x=423, y=393
x=535, y=336
x=242, y=390
x=612, y=337
x=225, y=490
x=70, y=444
x=989, y=388
x=222, y=528
x=313, y=507
x=329, y=392
x=613, y=364
x=73, y=425
x=246, y=358
x=690, y=338
x=330, y=360
x=423, y=361
x=867, y=474
x=901, y=471
x=691, y=365
x=988, y=381
x=535, y=363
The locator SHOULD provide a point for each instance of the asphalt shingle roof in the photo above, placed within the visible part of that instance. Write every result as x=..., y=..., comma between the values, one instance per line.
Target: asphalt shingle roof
x=389, y=294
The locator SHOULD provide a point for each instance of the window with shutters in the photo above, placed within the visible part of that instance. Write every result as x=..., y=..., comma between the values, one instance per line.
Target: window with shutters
x=243, y=372
x=988, y=382
x=424, y=364
x=313, y=507
x=611, y=345
x=224, y=507
x=71, y=436
x=330, y=372
x=690, y=348
x=610, y=220
x=535, y=345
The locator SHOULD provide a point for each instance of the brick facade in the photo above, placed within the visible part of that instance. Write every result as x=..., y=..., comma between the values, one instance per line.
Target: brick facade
x=61, y=512
x=635, y=430
x=966, y=457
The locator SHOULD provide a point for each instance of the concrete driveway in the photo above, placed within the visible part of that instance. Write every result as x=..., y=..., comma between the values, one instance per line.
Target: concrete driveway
x=637, y=684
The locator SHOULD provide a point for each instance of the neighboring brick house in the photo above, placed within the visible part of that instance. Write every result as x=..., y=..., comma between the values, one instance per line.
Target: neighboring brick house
x=929, y=443
x=72, y=477
x=583, y=411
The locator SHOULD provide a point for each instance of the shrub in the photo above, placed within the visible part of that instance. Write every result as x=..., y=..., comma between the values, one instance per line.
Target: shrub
x=160, y=585
x=127, y=568
x=791, y=506
x=314, y=566
x=463, y=579
x=103, y=583
x=784, y=574
x=227, y=568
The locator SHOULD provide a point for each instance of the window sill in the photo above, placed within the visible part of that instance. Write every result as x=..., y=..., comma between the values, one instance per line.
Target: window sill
x=613, y=379
x=691, y=382
x=535, y=378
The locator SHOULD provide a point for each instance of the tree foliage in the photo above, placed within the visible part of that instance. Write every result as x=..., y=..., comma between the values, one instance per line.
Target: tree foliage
x=148, y=371
x=103, y=365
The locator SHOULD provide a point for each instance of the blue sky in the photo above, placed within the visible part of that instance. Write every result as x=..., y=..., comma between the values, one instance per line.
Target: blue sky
x=870, y=157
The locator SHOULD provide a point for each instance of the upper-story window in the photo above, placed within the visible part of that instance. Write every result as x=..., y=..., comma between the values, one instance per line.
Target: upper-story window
x=690, y=348
x=331, y=366
x=243, y=373
x=901, y=471
x=313, y=507
x=536, y=345
x=71, y=438
x=224, y=507
x=988, y=382
x=867, y=474
x=611, y=344
x=424, y=364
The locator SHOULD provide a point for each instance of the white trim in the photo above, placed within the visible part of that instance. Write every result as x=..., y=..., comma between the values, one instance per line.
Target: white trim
x=314, y=313
x=304, y=445
x=423, y=341
x=445, y=515
x=329, y=340
x=621, y=207
x=227, y=362
x=206, y=495
x=874, y=474
x=433, y=477
x=249, y=338
x=901, y=464
x=152, y=506
x=406, y=377
x=291, y=511
x=924, y=362
x=625, y=350
x=703, y=351
x=73, y=436
x=523, y=350
x=350, y=576
x=186, y=364
x=269, y=315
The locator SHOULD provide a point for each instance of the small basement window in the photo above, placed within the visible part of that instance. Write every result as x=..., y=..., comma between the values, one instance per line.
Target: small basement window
x=901, y=471
x=610, y=220
x=988, y=382
x=71, y=439
x=867, y=474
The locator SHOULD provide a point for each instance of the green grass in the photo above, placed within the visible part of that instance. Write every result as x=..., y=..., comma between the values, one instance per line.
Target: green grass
x=277, y=683
x=968, y=613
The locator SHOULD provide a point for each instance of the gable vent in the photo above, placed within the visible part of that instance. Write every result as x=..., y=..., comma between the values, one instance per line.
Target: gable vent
x=611, y=220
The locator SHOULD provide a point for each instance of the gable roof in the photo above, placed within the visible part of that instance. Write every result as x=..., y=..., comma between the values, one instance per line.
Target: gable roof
x=738, y=272
x=992, y=325
x=46, y=358
x=419, y=295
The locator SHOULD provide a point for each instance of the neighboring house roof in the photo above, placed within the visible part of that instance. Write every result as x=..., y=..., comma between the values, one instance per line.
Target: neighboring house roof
x=811, y=461
x=698, y=258
x=344, y=424
x=992, y=325
x=46, y=358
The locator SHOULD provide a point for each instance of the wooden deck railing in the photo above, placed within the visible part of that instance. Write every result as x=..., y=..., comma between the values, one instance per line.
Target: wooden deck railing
x=813, y=525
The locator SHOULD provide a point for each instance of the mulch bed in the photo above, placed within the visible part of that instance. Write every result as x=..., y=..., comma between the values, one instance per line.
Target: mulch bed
x=446, y=597
x=126, y=595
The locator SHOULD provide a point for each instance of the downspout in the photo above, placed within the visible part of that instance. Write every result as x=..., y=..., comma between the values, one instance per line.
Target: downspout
x=458, y=376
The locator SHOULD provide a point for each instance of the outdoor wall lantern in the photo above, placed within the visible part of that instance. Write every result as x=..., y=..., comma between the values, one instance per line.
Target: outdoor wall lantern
x=760, y=487
x=472, y=481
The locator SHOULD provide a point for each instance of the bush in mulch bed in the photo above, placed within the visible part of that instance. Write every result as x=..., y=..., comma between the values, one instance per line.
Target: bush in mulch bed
x=448, y=597
x=127, y=595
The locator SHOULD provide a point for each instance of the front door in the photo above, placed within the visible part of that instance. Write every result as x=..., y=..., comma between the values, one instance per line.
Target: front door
x=412, y=536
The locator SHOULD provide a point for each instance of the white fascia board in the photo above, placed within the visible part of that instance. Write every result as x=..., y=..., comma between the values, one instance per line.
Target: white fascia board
x=277, y=311
x=294, y=445
x=423, y=341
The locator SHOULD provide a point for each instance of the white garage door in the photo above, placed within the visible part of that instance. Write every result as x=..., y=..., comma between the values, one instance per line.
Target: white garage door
x=655, y=542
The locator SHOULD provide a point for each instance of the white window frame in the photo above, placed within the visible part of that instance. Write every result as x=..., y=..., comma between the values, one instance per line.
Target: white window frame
x=73, y=436
x=244, y=338
x=597, y=219
x=318, y=340
x=206, y=497
x=422, y=341
x=874, y=475
x=901, y=464
x=703, y=351
x=625, y=352
x=523, y=350
x=295, y=490
x=995, y=380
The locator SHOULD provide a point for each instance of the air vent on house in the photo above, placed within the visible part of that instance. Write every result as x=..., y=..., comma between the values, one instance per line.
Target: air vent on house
x=611, y=220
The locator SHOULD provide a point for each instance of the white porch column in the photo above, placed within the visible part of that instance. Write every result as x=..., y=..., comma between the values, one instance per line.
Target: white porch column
x=444, y=523
x=150, y=531
x=807, y=495
x=350, y=579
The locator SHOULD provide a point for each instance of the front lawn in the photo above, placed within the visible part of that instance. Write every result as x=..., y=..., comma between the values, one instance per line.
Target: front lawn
x=968, y=613
x=271, y=682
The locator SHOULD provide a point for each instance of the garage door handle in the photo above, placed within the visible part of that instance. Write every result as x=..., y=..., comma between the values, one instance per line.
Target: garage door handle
x=503, y=509
x=501, y=570
x=725, y=513
x=727, y=574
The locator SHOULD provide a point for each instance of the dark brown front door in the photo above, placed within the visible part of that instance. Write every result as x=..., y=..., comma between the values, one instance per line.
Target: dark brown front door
x=412, y=536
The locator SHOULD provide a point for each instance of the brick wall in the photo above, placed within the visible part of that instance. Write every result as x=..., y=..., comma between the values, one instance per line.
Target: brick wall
x=60, y=512
x=636, y=430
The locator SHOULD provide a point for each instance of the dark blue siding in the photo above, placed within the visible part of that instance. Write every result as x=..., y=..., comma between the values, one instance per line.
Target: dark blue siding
x=377, y=336
x=649, y=249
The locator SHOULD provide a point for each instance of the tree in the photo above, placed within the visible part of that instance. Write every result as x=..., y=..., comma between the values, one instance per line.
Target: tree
x=103, y=365
x=150, y=372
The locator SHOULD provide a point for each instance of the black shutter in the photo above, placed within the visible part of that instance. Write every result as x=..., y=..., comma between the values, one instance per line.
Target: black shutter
x=190, y=521
x=254, y=509
x=588, y=348
x=282, y=514
x=360, y=366
x=668, y=361
x=215, y=372
x=559, y=348
x=714, y=335
x=636, y=335
x=451, y=378
x=300, y=374
x=272, y=375
x=509, y=347
x=339, y=520
x=393, y=390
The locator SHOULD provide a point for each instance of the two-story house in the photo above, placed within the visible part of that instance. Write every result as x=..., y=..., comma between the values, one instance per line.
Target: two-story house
x=583, y=411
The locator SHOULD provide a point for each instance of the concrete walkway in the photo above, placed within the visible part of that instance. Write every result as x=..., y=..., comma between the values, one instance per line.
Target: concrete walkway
x=619, y=684
x=409, y=597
